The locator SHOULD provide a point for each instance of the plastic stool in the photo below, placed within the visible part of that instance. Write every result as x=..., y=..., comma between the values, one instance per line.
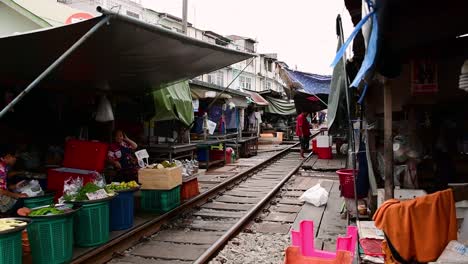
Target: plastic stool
x=304, y=239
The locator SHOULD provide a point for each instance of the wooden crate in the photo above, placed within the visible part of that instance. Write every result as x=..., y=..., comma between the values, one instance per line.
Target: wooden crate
x=160, y=179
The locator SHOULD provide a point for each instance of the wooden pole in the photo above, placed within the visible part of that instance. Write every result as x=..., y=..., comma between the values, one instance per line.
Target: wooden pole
x=388, y=140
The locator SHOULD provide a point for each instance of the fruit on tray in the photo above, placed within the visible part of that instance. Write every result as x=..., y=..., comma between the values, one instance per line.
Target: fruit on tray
x=163, y=165
x=122, y=186
x=7, y=224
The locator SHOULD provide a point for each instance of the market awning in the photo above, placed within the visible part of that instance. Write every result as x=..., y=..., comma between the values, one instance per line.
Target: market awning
x=257, y=99
x=199, y=93
x=308, y=82
x=125, y=55
x=280, y=107
x=174, y=103
x=216, y=88
x=239, y=102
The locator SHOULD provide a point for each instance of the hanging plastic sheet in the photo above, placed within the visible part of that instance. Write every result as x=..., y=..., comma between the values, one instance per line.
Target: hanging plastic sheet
x=174, y=103
x=280, y=107
x=337, y=87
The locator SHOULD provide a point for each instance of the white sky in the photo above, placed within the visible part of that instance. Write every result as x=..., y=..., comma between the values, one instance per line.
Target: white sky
x=302, y=32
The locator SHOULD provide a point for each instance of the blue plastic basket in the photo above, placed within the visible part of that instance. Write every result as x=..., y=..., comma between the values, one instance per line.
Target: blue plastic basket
x=201, y=154
x=122, y=211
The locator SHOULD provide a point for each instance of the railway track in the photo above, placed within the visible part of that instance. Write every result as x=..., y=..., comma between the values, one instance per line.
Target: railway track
x=199, y=228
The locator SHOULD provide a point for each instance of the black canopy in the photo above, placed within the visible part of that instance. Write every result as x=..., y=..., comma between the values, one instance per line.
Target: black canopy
x=124, y=55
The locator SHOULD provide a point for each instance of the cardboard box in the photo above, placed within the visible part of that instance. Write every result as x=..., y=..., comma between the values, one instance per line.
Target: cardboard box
x=160, y=179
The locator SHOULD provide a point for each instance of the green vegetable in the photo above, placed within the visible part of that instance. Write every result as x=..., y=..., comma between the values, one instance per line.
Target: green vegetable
x=46, y=211
x=88, y=188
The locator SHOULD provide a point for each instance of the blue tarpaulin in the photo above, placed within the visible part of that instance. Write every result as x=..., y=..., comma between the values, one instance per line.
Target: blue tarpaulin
x=310, y=83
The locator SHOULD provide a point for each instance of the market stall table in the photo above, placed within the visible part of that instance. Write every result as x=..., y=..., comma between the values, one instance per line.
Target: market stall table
x=171, y=151
x=205, y=145
x=245, y=147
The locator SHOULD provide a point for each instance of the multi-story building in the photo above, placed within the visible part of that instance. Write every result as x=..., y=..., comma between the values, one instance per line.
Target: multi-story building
x=258, y=74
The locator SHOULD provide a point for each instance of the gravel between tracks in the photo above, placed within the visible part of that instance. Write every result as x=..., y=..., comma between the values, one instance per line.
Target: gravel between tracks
x=257, y=248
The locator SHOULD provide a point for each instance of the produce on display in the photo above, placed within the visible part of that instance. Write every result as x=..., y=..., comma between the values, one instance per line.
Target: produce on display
x=82, y=193
x=8, y=224
x=49, y=210
x=116, y=186
x=164, y=165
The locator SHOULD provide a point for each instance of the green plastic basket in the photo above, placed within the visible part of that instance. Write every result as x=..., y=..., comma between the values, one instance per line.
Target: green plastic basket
x=51, y=239
x=11, y=250
x=34, y=202
x=92, y=224
x=160, y=201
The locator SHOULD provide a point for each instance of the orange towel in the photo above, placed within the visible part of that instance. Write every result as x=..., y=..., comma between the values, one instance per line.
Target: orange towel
x=421, y=228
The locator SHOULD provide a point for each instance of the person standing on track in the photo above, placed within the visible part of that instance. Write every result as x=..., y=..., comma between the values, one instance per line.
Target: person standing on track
x=303, y=131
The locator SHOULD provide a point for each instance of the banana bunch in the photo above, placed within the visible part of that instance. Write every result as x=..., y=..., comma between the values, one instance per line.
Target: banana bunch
x=122, y=186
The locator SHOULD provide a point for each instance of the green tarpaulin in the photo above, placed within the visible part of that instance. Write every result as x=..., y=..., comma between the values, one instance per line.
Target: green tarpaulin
x=280, y=107
x=174, y=103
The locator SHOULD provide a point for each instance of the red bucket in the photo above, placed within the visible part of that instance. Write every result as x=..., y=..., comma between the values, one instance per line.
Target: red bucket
x=346, y=182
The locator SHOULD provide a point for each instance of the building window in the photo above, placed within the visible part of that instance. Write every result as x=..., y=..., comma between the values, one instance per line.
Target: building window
x=211, y=78
x=268, y=85
x=133, y=14
x=245, y=82
x=220, y=78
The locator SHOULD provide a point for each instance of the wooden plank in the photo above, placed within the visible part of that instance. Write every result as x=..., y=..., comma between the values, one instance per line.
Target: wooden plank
x=293, y=194
x=281, y=217
x=191, y=237
x=287, y=209
x=311, y=212
x=164, y=250
x=218, y=213
x=139, y=260
x=227, y=206
x=245, y=194
x=388, y=140
x=237, y=200
x=332, y=224
x=211, y=225
x=290, y=201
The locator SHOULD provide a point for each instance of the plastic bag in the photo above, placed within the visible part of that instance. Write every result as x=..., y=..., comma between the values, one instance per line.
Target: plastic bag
x=104, y=111
x=316, y=195
x=71, y=187
x=99, y=180
x=31, y=189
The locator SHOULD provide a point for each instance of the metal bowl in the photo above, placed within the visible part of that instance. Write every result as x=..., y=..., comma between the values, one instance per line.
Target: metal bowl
x=73, y=210
x=93, y=201
x=18, y=228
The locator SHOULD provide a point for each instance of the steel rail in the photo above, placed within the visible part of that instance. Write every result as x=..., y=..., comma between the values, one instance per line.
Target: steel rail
x=209, y=253
x=128, y=239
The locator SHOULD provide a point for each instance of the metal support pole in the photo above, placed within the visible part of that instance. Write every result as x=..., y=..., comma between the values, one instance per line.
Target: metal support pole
x=184, y=16
x=224, y=90
x=388, y=141
x=54, y=65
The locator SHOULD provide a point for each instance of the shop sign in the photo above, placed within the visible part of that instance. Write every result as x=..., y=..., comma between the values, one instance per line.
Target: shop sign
x=424, y=77
x=77, y=17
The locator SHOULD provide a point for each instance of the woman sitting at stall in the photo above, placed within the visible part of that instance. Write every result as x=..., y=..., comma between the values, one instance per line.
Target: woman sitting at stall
x=121, y=156
x=8, y=200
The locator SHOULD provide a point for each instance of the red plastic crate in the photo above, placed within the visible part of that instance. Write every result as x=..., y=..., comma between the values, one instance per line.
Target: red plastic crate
x=85, y=155
x=189, y=189
x=217, y=155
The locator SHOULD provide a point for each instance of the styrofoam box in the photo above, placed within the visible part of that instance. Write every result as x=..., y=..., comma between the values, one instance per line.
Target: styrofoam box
x=324, y=141
x=400, y=194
